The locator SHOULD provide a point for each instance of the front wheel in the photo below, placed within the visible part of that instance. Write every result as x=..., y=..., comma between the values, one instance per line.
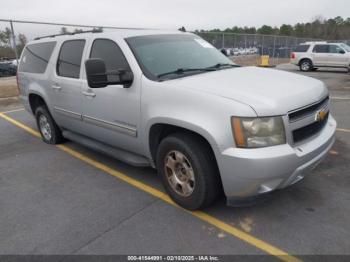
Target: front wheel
x=188, y=170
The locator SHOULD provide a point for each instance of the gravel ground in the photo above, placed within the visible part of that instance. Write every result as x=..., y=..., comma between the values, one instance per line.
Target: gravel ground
x=8, y=87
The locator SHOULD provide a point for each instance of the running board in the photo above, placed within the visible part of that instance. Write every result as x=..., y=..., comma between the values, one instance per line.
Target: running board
x=119, y=154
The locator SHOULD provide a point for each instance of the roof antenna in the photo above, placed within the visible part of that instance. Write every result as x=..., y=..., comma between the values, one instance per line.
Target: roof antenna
x=182, y=29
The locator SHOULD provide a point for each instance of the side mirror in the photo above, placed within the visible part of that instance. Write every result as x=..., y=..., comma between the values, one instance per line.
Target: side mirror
x=341, y=52
x=96, y=73
x=126, y=77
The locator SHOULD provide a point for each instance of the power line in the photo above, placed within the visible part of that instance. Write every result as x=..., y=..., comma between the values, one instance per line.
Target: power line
x=73, y=25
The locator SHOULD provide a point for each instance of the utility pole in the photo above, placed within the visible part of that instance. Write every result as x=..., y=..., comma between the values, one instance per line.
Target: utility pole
x=14, y=41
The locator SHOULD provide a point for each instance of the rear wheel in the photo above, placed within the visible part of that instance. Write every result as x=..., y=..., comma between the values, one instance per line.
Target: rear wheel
x=49, y=130
x=305, y=65
x=188, y=170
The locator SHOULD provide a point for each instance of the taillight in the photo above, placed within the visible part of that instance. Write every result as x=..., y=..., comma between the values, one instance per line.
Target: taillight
x=292, y=55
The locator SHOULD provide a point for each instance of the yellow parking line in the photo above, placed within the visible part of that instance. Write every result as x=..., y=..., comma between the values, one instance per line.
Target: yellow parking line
x=260, y=244
x=343, y=130
x=20, y=125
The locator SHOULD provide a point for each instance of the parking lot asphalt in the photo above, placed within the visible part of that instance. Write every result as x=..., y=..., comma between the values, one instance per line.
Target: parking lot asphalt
x=72, y=200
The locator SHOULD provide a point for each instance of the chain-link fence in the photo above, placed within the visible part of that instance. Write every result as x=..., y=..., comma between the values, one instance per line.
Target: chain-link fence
x=273, y=45
x=238, y=45
x=341, y=41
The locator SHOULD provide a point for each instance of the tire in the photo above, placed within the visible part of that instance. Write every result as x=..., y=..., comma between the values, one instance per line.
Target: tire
x=50, y=132
x=305, y=65
x=314, y=68
x=192, y=154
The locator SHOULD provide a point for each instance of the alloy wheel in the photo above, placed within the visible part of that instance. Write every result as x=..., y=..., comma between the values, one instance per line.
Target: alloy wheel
x=179, y=173
x=45, y=127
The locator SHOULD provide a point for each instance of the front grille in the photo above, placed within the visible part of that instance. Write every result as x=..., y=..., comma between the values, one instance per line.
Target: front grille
x=301, y=113
x=309, y=130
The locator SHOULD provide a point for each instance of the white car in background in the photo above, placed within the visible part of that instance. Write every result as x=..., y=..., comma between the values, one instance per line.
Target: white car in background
x=14, y=62
x=241, y=51
x=312, y=55
x=251, y=51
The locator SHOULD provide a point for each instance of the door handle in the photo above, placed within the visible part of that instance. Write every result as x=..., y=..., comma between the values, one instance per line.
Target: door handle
x=90, y=94
x=56, y=87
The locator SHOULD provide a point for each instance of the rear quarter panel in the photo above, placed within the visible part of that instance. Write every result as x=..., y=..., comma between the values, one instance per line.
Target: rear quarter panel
x=35, y=83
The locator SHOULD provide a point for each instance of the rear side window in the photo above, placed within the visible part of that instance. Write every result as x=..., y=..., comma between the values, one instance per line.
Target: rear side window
x=111, y=53
x=302, y=48
x=69, y=60
x=35, y=57
x=321, y=49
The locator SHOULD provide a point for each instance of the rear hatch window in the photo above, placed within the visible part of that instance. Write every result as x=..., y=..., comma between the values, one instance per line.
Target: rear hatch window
x=302, y=48
x=35, y=57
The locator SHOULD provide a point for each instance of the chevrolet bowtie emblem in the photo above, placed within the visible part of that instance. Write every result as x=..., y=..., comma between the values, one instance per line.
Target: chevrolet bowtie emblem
x=320, y=115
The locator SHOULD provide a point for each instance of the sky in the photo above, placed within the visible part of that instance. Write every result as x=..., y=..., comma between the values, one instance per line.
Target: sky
x=170, y=14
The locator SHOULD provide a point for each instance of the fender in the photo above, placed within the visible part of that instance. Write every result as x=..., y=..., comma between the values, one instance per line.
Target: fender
x=181, y=124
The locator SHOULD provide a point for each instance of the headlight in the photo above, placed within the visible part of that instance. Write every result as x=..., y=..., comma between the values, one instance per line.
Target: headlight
x=258, y=132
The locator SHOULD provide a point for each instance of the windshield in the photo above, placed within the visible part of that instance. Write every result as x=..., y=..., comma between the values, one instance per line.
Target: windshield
x=345, y=46
x=164, y=57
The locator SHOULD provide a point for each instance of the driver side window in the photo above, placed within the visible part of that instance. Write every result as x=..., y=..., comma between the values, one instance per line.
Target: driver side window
x=335, y=49
x=112, y=55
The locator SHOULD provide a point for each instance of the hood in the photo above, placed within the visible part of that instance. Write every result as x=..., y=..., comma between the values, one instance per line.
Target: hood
x=268, y=91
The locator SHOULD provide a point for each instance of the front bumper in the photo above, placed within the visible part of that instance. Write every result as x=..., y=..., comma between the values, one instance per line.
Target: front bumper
x=251, y=172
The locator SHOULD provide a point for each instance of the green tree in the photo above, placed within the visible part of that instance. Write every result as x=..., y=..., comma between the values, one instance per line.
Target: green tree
x=338, y=20
x=299, y=30
x=5, y=37
x=286, y=30
x=22, y=41
x=320, y=28
x=266, y=30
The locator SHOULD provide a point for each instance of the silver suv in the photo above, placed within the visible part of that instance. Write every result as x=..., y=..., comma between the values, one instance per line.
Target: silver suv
x=312, y=55
x=170, y=100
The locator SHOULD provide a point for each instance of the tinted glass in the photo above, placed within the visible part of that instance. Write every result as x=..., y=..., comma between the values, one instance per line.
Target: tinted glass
x=302, y=48
x=158, y=54
x=335, y=49
x=345, y=46
x=35, y=57
x=69, y=60
x=321, y=49
x=110, y=52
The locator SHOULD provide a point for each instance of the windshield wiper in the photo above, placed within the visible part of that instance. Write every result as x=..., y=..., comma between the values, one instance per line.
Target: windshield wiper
x=181, y=71
x=220, y=65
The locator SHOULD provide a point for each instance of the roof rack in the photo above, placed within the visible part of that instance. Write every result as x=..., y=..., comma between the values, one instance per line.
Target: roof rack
x=316, y=42
x=95, y=30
